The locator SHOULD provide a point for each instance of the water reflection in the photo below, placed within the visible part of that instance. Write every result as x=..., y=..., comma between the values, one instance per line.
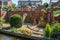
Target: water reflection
x=4, y=37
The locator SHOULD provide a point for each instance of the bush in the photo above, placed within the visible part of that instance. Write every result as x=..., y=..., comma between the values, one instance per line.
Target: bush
x=26, y=32
x=2, y=20
x=46, y=5
x=16, y=21
x=14, y=29
x=47, y=30
x=56, y=30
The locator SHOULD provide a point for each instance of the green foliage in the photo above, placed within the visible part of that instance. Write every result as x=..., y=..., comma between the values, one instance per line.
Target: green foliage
x=2, y=20
x=56, y=30
x=18, y=6
x=16, y=21
x=5, y=8
x=56, y=12
x=26, y=32
x=42, y=18
x=46, y=5
x=43, y=10
x=14, y=29
x=47, y=30
x=59, y=4
x=8, y=8
x=13, y=5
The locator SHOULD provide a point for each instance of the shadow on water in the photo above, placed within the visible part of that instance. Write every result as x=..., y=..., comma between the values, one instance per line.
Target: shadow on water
x=6, y=37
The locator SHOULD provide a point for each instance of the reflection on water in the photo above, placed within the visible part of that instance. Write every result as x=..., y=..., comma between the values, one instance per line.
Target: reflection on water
x=4, y=37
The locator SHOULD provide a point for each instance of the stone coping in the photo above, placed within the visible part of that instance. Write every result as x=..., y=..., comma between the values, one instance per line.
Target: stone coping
x=22, y=36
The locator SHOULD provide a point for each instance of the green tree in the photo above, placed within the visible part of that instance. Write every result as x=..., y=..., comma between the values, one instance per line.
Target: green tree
x=47, y=30
x=5, y=8
x=8, y=8
x=59, y=5
x=13, y=5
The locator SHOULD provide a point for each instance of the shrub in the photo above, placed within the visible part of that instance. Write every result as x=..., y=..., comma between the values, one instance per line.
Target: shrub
x=16, y=21
x=47, y=30
x=2, y=20
x=25, y=31
x=56, y=30
x=46, y=5
x=14, y=29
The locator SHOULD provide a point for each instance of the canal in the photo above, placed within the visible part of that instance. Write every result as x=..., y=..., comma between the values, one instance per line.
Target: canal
x=7, y=37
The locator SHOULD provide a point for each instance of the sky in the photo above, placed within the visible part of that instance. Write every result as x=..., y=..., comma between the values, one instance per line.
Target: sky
x=16, y=1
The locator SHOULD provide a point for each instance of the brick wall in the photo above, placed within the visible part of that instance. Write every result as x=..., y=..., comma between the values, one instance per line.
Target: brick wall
x=57, y=18
x=31, y=16
x=0, y=11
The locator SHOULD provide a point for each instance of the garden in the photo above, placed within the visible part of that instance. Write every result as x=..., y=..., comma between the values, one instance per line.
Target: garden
x=16, y=25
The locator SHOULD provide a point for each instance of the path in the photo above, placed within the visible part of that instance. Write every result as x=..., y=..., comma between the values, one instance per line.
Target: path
x=36, y=32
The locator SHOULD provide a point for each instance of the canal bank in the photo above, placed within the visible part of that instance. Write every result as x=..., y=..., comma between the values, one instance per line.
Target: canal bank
x=20, y=36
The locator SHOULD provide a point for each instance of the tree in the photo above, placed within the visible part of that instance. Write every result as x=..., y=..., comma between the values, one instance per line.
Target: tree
x=13, y=5
x=59, y=5
x=5, y=8
x=8, y=8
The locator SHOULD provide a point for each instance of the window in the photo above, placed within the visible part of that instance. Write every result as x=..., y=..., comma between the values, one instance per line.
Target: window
x=0, y=3
x=34, y=0
x=23, y=0
x=5, y=0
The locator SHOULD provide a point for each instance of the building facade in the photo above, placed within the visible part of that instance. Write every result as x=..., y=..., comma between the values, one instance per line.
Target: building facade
x=0, y=3
x=0, y=7
x=6, y=2
x=54, y=3
x=26, y=2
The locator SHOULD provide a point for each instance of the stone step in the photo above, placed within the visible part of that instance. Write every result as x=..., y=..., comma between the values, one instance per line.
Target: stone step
x=38, y=33
x=35, y=35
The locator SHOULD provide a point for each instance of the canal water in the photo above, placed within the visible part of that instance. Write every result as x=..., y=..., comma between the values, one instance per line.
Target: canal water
x=6, y=37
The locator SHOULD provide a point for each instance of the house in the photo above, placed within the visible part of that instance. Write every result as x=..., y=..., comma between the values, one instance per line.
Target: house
x=0, y=3
x=30, y=2
x=54, y=3
x=0, y=7
x=6, y=2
